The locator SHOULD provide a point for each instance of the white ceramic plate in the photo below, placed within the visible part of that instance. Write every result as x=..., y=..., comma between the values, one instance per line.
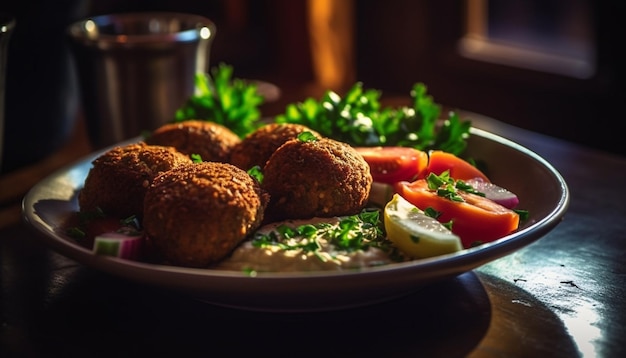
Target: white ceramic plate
x=541, y=189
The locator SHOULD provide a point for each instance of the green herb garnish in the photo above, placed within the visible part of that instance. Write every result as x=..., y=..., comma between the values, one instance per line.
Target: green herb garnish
x=351, y=233
x=359, y=119
x=523, y=214
x=223, y=99
x=447, y=187
x=196, y=158
x=257, y=173
x=307, y=137
x=429, y=211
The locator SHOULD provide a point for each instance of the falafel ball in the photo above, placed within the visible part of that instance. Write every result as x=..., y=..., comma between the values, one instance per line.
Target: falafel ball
x=212, y=141
x=119, y=178
x=195, y=215
x=257, y=147
x=318, y=178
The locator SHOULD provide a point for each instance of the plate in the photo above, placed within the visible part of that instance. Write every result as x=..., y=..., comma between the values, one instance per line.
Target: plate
x=540, y=187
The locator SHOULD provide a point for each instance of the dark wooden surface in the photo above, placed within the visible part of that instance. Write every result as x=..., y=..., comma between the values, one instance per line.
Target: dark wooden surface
x=562, y=296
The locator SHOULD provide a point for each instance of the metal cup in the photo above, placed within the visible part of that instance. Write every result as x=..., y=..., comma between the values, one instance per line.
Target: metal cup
x=136, y=69
x=7, y=23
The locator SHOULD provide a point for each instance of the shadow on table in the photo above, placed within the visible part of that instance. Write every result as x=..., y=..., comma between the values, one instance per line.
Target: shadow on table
x=85, y=313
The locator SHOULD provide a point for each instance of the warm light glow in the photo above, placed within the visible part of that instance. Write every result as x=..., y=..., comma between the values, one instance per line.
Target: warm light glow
x=205, y=33
x=331, y=34
x=90, y=26
x=579, y=315
x=91, y=29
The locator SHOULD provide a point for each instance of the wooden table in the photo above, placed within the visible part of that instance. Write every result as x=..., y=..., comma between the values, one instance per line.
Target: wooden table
x=562, y=296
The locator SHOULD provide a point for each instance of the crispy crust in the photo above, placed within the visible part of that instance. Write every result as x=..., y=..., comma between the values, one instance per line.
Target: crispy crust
x=212, y=141
x=322, y=178
x=257, y=147
x=119, y=178
x=197, y=214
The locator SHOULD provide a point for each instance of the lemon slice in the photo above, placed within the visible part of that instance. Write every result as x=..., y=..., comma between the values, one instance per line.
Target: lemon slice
x=415, y=233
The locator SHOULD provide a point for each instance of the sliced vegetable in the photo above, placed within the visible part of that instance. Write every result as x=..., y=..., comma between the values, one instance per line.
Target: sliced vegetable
x=122, y=244
x=415, y=233
x=380, y=194
x=494, y=192
x=440, y=161
x=474, y=218
x=393, y=164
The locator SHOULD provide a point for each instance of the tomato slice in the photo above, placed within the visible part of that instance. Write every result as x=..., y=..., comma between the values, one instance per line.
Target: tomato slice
x=440, y=161
x=477, y=219
x=393, y=164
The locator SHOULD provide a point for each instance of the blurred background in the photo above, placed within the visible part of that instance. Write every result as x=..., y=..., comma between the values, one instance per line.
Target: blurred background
x=552, y=66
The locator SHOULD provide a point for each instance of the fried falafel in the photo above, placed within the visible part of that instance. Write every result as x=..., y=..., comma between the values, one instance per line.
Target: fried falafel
x=119, y=178
x=317, y=178
x=257, y=147
x=212, y=141
x=195, y=215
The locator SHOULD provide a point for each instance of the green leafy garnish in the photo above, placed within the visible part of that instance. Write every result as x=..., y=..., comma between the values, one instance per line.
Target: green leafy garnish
x=225, y=100
x=351, y=233
x=523, y=214
x=257, y=173
x=307, y=137
x=429, y=211
x=196, y=158
x=359, y=119
x=447, y=187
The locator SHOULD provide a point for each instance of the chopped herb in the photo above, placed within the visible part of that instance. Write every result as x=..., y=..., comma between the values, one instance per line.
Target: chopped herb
x=448, y=225
x=130, y=226
x=429, y=211
x=435, y=181
x=196, y=158
x=461, y=185
x=449, y=188
x=307, y=137
x=256, y=173
x=132, y=221
x=250, y=272
x=351, y=233
x=450, y=193
x=523, y=214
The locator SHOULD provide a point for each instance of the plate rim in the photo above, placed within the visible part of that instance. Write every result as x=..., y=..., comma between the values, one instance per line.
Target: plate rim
x=422, y=270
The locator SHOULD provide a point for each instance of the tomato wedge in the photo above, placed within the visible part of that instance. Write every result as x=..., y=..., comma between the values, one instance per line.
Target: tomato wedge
x=393, y=164
x=475, y=220
x=440, y=161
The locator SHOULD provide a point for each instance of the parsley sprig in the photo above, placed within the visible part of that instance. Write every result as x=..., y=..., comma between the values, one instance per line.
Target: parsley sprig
x=448, y=187
x=351, y=233
x=223, y=99
x=359, y=118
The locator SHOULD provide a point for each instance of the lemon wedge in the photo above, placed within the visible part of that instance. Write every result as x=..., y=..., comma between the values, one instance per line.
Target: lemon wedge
x=415, y=233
